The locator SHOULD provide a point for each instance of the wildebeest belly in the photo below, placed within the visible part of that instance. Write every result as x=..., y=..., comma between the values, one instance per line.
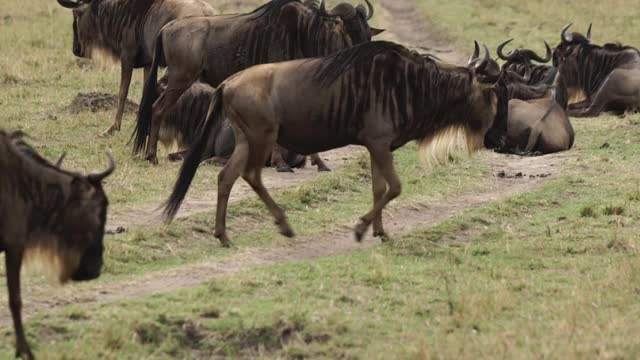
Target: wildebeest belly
x=307, y=138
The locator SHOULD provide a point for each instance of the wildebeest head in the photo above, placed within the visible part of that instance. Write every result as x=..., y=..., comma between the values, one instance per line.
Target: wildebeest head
x=355, y=19
x=84, y=26
x=522, y=56
x=569, y=42
x=493, y=82
x=84, y=221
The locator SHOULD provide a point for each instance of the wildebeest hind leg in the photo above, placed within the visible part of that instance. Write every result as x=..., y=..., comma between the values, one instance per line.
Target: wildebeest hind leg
x=383, y=159
x=13, y=262
x=379, y=187
x=317, y=161
x=226, y=178
x=125, y=81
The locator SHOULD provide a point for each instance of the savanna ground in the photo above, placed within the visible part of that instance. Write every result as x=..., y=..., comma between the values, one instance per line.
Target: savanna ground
x=481, y=265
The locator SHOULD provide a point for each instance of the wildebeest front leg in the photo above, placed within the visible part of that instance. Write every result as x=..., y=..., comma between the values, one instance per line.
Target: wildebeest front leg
x=379, y=187
x=382, y=157
x=13, y=262
x=277, y=160
x=253, y=177
x=125, y=81
x=317, y=161
x=165, y=104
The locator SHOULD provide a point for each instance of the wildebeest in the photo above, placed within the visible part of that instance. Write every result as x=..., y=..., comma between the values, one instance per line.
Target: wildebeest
x=183, y=124
x=213, y=48
x=125, y=30
x=608, y=76
x=521, y=61
x=537, y=121
x=379, y=95
x=47, y=214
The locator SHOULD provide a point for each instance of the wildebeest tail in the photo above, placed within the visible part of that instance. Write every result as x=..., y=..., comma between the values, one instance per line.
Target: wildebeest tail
x=149, y=96
x=193, y=159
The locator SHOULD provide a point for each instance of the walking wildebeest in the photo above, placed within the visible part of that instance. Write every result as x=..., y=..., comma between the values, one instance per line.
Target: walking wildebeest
x=379, y=95
x=608, y=76
x=183, y=124
x=537, y=121
x=47, y=214
x=213, y=48
x=521, y=62
x=125, y=30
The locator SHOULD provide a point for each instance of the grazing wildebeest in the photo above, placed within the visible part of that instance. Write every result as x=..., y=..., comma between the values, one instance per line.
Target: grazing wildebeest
x=213, y=48
x=182, y=125
x=47, y=214
x=125, y=30
x=521, y=62
x=379, y=95
x=537, y=122
x=608, y=76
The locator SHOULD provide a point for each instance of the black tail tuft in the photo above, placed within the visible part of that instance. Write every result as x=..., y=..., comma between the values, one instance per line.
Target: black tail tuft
x=190, y=164
x=149, y=96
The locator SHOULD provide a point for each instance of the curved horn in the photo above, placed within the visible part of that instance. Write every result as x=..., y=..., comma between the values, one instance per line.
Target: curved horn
x=485, y=60
x=69, y=4
x=537, y=57
x=501, y=55
x=563, y=34
x=60, y=159
x=344, y=10
x=589, y=32
x=476, y=52
x=372, y=11
x=96, y=178
x=323, y=8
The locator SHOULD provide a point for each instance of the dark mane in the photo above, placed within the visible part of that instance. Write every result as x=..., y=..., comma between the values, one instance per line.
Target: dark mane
x=270, y=8
x=618, y=47
x=596, y=63
x=130, y=15
x=412, y=89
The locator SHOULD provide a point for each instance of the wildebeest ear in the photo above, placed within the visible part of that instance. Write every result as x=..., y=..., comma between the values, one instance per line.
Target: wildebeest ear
x=69, y=4
x=375, y=31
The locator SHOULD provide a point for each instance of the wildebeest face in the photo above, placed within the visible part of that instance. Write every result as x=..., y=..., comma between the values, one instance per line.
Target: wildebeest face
x=83, y=26
x=569, y=45
x=85, y=220
x=356, y=21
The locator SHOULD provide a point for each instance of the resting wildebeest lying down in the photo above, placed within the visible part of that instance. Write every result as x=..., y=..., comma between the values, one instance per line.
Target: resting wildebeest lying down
x=125, y=30
x=213, y=48
x=47, y=214
x=608, y=76
x=379, y=95
x=182, y=125
x=521, y=61
x=538, y=122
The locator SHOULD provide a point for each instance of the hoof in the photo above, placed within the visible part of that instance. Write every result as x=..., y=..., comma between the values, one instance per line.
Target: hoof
x=175, y=157
x=112, y=130
x=382, y=235
x=360, y=230
x=152, y=159
x=283, y=169
x=323, y=169
x=224, y=240
x=287, y=232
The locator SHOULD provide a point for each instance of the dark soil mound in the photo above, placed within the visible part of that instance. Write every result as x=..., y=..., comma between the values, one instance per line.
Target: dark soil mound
x=95, y=102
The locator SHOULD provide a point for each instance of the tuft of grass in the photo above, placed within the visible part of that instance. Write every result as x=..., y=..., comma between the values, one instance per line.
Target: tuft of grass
x=613, y=210
x=588, y=211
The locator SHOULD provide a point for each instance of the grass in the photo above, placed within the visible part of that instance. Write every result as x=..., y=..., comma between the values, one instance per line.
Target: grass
x=550, y=273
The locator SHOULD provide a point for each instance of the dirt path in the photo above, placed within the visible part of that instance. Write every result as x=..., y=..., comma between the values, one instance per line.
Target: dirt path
x=513, y=175
x=150, y=215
